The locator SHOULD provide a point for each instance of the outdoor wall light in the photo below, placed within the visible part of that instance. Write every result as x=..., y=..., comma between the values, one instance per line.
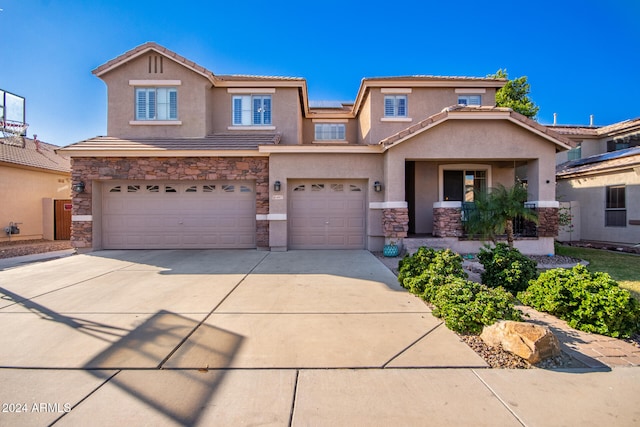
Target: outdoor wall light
x=276, y=186
x=78, y=187
x=377, y=187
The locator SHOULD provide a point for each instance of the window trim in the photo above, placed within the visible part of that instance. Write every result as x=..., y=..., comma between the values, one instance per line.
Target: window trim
x=249, y=112
x=337, y=126
x=395, y=114
x=462, y=167
x=607, y=209
x=469, y=96
x=143, y=120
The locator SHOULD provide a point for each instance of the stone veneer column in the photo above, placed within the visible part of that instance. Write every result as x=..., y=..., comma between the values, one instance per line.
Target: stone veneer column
x=395, y=222
x=548, y=222
x=447, y=221
x=151, y=169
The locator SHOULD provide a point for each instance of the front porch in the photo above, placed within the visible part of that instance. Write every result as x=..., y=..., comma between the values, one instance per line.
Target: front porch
x=449, y=230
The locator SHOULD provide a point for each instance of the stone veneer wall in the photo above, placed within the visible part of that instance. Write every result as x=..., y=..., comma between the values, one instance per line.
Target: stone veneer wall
x=447, y=222
x=88, y=169
x=548, y=222
x=395, y=222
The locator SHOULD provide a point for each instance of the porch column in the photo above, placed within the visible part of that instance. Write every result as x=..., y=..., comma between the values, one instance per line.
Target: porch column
x=395, y=222
x=548, y=218
x=447, y=219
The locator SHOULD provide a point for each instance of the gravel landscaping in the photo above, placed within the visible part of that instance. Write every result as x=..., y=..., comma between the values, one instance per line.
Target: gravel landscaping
x=496, y=357
x=10, y=249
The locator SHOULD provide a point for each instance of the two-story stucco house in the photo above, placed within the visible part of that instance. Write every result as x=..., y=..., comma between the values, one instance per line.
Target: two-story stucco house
x=599, y=181
x=199, y=160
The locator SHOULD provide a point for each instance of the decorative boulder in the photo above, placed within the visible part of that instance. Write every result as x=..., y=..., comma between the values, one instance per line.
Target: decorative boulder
x=527, y=340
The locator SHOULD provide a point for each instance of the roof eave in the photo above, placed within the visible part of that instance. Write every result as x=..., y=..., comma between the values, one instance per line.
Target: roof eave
x=148, y=47
x=137, y=152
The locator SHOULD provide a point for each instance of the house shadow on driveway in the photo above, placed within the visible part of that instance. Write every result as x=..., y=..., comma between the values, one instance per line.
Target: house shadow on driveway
x=355, y=264
x=179, y=394
x=131, y=366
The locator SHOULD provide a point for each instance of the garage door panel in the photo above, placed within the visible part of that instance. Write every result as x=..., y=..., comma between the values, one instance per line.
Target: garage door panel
x=326, y=214
x=179, y=215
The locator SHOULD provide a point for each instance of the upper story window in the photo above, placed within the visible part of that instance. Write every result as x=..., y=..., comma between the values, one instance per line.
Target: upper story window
x=251, y=110
x=469, y=100
x=575, y=153
x=330, y=132
x=395, y=106
x=156, y=103
x=623, y=143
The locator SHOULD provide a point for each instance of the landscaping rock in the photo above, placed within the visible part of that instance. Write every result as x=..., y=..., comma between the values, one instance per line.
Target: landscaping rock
x=529, y=341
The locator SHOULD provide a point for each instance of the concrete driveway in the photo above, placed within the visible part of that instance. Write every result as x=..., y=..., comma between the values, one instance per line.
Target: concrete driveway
x=232, y=338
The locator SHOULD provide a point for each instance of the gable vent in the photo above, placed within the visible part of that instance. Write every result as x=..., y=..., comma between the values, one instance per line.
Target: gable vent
x=155, y=64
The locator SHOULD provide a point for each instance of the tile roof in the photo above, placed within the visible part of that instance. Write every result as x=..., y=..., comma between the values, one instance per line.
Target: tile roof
x=600, y=163
x=599, y=131
x=444, y=114
x=248, y=77
x=435, y=78
x=219, y=141
x=34, y=154
x=143, y=48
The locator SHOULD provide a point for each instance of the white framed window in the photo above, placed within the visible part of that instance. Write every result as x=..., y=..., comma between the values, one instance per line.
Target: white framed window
x=330, y=132
x=395, y=105
x=156, y=103
x=251, y=110
x=469, y=99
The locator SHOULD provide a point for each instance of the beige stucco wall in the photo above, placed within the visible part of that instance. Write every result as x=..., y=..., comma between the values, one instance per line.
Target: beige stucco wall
x=479, y=141
x=590, y=192
x=23, y=191
x=286, y=112
x=192, y=100
x=284, y=167
x=421, y=103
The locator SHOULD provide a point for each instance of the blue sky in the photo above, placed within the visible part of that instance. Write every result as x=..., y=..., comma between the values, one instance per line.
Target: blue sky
x=582, y=57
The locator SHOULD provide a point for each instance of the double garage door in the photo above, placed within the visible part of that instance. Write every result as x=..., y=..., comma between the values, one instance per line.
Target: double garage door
x=171, y=215
x=327, y=214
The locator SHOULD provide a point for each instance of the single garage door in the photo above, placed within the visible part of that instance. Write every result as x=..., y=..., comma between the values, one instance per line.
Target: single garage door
x=171, y=215
x=327, y=214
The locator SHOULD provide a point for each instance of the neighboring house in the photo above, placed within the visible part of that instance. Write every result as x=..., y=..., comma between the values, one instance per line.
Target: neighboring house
x=198, y=160
x=35, y=184
x=600, y=182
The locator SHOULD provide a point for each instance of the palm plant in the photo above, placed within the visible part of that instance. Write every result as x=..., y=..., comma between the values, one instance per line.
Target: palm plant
x=495, y=211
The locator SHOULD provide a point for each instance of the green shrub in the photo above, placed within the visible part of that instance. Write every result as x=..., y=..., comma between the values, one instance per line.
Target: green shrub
x=427, y=269
x=591, y=302
x=506, y=267
x=466, y=306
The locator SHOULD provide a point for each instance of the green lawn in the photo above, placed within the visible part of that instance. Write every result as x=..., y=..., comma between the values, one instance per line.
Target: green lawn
x=624, y=268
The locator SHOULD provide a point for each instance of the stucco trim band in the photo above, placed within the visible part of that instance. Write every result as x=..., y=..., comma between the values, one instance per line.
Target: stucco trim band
x=155, y=82
x=271, y=217
x=155, y=122
x=388, y=205
x=545, y=203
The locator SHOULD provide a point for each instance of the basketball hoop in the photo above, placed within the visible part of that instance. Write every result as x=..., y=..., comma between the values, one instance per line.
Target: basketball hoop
x=14, y=132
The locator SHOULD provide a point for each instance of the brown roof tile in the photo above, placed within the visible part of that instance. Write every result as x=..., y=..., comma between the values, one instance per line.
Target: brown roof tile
x=434, y=78
x=598, y=131
x=34, y=154
x=220, y=141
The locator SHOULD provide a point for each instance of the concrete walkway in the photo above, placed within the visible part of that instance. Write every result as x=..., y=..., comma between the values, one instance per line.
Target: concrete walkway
x=247, y=337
